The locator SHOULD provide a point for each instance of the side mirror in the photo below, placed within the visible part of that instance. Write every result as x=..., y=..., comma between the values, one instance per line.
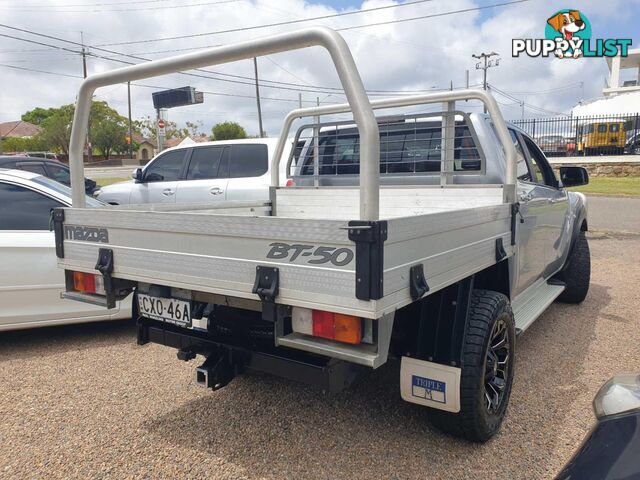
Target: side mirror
x=574, y=176
x=137, y=175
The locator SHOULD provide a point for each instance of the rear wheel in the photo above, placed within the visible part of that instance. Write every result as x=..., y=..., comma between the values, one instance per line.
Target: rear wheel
x=577, y=273
x=488, y=355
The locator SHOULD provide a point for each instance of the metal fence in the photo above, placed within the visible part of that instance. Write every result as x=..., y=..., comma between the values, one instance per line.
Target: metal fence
x=585, y=135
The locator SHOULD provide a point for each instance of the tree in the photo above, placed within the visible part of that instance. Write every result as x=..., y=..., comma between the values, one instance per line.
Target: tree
x=228, y=131
x=194, y=129
x=109, y=136
x=56, y=129
x=107, y=128
x=38, y=115
x=148, y=128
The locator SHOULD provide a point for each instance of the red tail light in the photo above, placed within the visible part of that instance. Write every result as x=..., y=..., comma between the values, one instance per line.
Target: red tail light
x=88, y=283
x=333, y=326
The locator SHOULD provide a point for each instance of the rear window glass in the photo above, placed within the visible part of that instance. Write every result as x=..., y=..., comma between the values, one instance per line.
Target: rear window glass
x=248, y=160
x=414, y=149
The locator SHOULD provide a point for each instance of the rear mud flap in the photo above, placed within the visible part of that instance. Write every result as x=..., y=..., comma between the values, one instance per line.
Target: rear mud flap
x=430, y=384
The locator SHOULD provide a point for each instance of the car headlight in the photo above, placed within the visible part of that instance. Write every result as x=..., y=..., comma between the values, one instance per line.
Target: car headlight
x=620, y=394
x=97, y=192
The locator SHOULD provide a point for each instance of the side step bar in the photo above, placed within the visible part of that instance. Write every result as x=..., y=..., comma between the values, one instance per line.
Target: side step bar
x=528, y=306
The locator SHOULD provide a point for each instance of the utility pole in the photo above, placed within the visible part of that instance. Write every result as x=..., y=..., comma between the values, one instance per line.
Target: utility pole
x=255, y=68
x=130, y=126
x=486, y=66
x=466, y=78
x=299, y=99
x=84, y=75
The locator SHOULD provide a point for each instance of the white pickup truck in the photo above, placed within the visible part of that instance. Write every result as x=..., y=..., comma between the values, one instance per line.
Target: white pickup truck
x=457, y=238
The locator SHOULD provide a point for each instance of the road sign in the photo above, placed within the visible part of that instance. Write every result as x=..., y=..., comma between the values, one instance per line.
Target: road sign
x=176, y=97
x=161, y=123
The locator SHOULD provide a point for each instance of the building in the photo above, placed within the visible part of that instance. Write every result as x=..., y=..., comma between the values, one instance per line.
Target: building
x=620, y=96
x=18, y=129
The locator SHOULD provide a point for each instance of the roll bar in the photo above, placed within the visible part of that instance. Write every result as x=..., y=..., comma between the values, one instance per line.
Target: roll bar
x=405, y=101
x=303, y=38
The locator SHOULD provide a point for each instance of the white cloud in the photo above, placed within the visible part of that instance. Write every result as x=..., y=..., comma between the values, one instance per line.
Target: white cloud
x=403, y=56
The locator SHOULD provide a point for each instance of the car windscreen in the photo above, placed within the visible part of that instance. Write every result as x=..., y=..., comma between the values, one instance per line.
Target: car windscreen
x=64, y=190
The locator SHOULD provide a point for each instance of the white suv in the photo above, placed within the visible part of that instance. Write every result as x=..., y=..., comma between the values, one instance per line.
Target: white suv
x=200, y=172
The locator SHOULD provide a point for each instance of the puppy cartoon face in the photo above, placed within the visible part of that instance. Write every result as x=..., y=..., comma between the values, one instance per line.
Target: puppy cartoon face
x=567, y=23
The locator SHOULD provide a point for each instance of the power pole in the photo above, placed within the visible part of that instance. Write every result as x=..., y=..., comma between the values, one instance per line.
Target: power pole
x=487, y=65
x=84, y=74
x=255, y=68
x=130, y=126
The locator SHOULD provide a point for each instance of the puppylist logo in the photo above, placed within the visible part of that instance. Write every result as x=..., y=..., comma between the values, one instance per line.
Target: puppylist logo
x=568, y=35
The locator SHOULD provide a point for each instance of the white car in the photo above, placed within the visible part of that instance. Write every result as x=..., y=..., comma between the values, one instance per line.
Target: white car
x=30, y=297
x=200, y=173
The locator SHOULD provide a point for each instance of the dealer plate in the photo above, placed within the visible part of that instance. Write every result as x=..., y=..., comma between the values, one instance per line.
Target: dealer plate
x=170, y=310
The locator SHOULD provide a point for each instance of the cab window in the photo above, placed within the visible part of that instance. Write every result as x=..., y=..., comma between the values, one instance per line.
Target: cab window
x=522, y=168
x=165, y=168
x=602, y=128
x=543, y=172
x=59, y=174
x=614, y=127
x=24, y=209
x=32, y=167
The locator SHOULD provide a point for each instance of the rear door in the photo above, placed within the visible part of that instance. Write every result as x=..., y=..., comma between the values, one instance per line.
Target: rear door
x=160, y=178
x=249, y=178
x=30, y=281
x=207, y=175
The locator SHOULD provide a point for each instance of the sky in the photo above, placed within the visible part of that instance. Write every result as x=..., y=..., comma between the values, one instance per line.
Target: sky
x=412, y=56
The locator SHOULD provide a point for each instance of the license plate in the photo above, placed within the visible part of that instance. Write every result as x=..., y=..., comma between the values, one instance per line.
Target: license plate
x=170, y=310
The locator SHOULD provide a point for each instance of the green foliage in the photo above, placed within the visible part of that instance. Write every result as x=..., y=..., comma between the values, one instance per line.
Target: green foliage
x=148, y=128
x=56, y=129
x=38, y=115
x=15, y=144
x=228, y=131
x=107, y=128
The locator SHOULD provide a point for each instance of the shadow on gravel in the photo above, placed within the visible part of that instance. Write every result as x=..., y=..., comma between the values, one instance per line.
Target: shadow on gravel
x=275, y=428
x=46, y=341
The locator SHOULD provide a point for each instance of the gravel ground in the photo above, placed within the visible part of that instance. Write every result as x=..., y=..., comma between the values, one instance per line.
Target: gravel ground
x=86, y=402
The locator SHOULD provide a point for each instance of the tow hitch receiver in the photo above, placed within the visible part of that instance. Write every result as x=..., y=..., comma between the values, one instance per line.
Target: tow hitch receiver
x=219, y=369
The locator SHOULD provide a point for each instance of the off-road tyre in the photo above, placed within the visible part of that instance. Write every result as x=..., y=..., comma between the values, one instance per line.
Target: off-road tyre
x=476, y=421
x=577, y=274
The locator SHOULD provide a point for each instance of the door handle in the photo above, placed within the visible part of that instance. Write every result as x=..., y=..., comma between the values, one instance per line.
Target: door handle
x=216, y=191
x=167, y=192
x=525, y=197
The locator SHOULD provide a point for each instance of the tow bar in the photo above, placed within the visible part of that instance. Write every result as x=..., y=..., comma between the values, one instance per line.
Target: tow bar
x=220, y=368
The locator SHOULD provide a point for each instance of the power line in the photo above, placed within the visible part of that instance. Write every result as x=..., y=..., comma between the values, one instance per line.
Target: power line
x=244, y=80
x=43, y=8
x=157, y=87
x=521, y=102
x=289, y=22
x=276, y=24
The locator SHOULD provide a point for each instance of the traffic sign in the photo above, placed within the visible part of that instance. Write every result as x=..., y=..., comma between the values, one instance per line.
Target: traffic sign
x=160, y=123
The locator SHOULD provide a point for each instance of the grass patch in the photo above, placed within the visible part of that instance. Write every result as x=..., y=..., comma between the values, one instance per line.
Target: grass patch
x=628, y=186
x=103, y=182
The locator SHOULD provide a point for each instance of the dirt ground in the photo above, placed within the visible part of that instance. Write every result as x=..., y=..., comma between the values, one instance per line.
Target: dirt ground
x=87, y=402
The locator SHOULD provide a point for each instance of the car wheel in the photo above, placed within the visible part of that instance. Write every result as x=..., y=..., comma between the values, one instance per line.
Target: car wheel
x=577, y=273
x=488, y=355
